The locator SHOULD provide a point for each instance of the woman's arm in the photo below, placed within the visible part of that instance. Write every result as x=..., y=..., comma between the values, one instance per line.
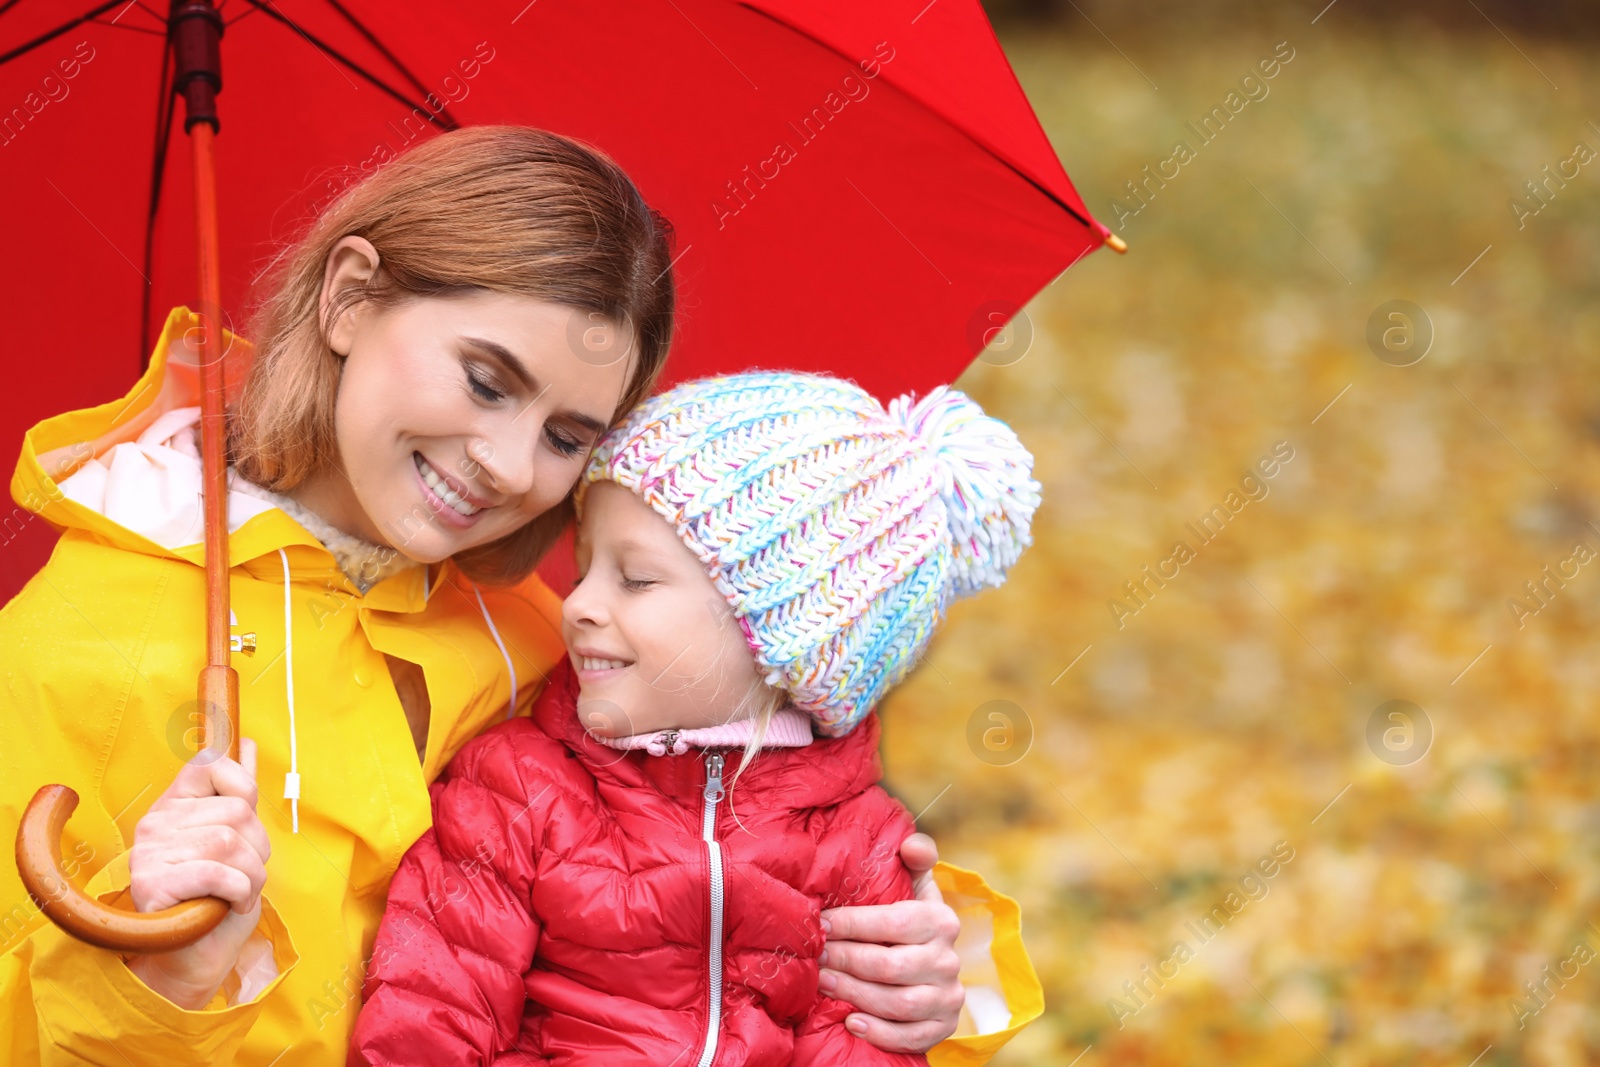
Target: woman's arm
x=867, y=872
x=897, y=963
x=63, y=1001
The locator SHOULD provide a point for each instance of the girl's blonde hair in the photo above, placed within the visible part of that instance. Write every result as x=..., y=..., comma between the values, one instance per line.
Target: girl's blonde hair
x=762, y=703
x=508, y=209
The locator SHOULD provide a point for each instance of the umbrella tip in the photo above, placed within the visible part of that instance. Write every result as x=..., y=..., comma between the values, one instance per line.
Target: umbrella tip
x=1116, y=244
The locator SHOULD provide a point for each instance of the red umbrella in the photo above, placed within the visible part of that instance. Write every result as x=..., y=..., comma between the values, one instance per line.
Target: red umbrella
x=860, y=188
x=872, y=226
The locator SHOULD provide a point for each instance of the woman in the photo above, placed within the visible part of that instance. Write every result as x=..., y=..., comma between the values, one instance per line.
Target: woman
x=434, y=359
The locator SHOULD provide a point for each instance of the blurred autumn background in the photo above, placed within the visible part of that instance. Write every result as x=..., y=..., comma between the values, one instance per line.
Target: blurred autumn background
x=1123, y=771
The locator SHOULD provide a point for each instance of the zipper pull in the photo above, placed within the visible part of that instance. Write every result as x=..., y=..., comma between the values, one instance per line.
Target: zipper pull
x=713, y=777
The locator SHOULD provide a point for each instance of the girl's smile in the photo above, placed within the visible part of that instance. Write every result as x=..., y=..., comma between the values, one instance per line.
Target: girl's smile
x=596, y=667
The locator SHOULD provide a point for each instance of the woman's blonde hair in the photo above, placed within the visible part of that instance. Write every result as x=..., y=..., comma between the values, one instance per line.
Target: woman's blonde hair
x=509, y=209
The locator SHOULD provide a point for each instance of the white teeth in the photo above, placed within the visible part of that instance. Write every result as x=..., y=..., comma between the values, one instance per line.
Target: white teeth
x=592, y=664
x=442, y=488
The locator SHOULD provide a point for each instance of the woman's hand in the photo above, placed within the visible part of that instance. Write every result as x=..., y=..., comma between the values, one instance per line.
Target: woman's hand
x=897, y=963
x=201, y=838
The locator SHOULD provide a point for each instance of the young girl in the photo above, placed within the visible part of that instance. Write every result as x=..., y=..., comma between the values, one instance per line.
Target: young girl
x=405, y=437
x=611, y=880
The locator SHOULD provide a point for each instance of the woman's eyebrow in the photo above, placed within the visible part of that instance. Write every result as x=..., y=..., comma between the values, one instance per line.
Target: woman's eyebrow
x=502, y=355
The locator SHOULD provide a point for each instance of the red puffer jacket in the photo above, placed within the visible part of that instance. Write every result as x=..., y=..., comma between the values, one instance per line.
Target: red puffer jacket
x=577, y=904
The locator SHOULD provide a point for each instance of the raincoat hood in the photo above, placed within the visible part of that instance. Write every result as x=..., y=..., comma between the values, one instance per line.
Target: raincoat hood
x=123, y=473
x=136, y=481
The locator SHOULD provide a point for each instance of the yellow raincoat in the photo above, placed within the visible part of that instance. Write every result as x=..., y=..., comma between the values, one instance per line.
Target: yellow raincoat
x=102, y=650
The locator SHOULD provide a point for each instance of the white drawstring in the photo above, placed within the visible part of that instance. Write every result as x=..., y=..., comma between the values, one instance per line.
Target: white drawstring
x=512, y=710
x=291, y=780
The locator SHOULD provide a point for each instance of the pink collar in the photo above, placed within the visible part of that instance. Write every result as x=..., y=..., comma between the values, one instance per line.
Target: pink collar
x=789, y=728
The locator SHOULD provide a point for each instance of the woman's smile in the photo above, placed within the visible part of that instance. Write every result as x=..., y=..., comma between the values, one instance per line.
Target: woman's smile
x=447, y=498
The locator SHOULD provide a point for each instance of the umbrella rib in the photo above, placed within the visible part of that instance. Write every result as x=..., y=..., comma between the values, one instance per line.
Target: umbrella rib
x=383, y=49
x=1068, y=208
x=165, y=103
x=135, y=29
x=265, y=7
x=47, y=37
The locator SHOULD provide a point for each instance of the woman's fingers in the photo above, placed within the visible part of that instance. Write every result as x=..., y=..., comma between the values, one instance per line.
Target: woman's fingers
x=904, y=922
x=178, y=864
x=893, y=965
x=208, y=775
x=186, y=813
x=193, y=879
x=891, y=1003
x=897, y=965
x=903, y=1016
x=919, y=853
x=898, y=1037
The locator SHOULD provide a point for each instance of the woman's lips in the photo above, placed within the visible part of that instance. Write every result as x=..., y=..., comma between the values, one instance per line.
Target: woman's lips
x=441, y=510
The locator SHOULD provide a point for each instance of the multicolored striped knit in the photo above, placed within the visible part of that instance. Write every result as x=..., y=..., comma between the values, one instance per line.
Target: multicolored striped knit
x=837, y=530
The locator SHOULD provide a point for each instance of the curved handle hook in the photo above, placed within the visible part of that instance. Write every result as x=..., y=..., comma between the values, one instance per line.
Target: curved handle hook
x=77, y=913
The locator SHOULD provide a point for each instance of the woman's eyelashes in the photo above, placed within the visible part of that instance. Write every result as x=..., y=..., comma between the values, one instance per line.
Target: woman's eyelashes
x=484, y=388
x=487, y=389
x=563, y=444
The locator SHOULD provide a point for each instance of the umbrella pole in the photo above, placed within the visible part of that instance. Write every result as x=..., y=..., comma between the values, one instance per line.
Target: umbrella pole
x=219, y=682
x=195, y=35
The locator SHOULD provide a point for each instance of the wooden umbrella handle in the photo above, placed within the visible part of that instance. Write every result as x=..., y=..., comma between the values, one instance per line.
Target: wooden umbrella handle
x=77, y=913
x=74, y=911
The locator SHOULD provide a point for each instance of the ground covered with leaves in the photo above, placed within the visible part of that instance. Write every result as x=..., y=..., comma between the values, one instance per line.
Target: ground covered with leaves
x=1322, y=788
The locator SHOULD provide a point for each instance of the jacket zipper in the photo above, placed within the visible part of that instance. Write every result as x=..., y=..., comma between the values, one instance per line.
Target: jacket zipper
x=708, y=833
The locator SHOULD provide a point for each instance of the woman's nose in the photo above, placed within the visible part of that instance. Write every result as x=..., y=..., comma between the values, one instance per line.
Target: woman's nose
x=504, y=467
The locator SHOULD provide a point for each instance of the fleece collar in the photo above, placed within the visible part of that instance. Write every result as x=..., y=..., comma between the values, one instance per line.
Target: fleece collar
x=822, y=774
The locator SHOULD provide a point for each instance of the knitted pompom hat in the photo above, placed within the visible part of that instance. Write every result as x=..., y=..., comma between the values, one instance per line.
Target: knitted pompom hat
x=837, y=531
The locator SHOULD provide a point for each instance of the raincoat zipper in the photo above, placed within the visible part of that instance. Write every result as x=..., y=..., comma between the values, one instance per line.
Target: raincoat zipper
x=708, y=833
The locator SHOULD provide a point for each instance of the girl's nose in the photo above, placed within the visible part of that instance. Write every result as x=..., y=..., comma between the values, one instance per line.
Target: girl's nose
x=584, y=605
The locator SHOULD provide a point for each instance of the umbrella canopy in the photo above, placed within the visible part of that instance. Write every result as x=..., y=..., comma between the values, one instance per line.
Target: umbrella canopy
x=856, y=187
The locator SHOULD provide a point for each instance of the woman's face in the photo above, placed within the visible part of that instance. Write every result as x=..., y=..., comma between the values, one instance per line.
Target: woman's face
x=461, y=418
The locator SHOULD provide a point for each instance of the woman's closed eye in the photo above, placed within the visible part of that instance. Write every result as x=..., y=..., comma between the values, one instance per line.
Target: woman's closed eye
x=563, y=444
x=483, y=387
x=488, y=390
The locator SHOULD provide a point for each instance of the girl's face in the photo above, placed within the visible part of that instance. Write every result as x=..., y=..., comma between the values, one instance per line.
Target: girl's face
x=654, y=643
x=460, y=419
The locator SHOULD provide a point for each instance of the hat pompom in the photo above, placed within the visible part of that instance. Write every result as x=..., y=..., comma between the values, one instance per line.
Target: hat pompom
x=985, y=479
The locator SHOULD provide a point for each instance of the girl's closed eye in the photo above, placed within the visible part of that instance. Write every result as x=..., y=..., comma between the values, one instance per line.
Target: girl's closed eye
x=638, y=583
